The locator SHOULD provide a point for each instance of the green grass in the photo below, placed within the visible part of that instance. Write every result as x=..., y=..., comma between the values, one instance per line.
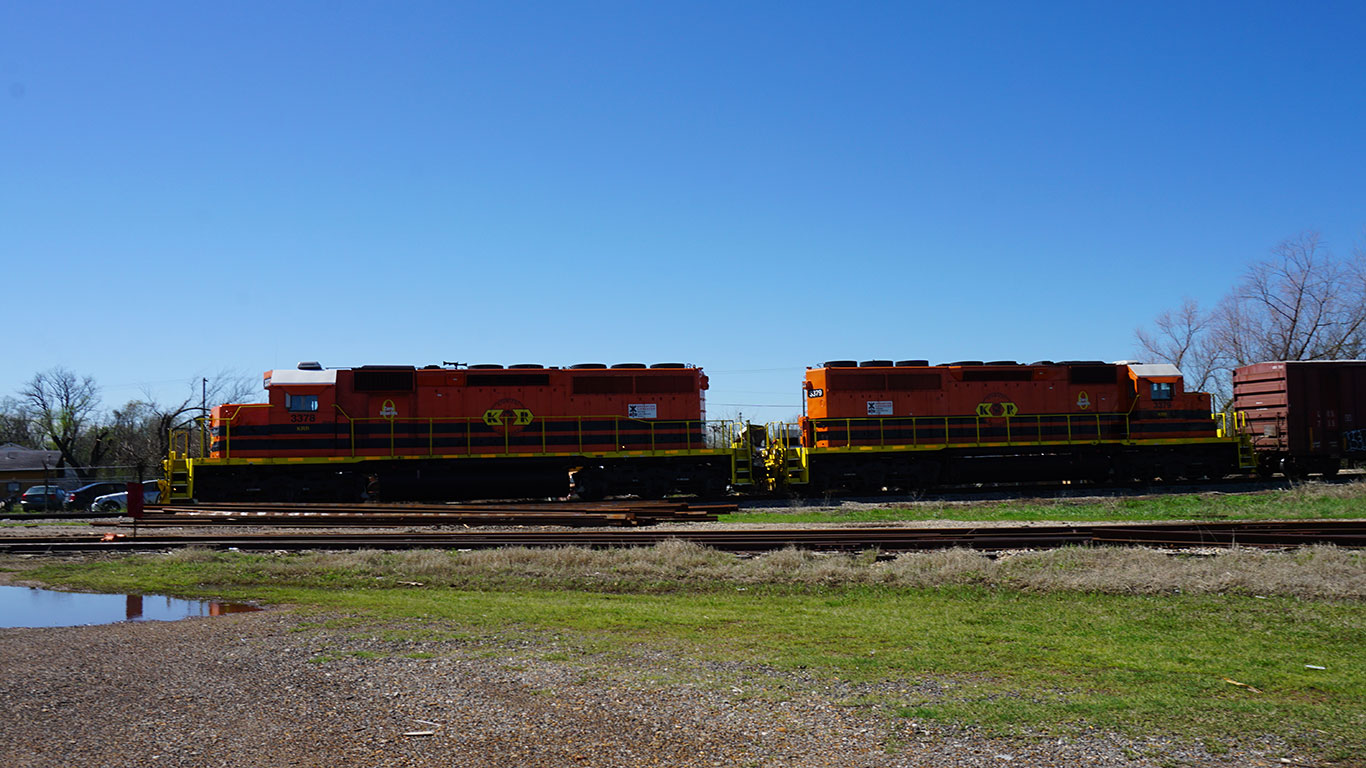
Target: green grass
x=1310, y=501
x=1002, y=659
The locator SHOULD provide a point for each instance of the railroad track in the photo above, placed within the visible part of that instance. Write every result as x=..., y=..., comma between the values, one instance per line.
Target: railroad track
x=1278, y=534
x=564, y=513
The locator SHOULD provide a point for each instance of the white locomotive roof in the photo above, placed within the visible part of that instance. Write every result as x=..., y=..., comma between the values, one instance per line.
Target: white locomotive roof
x=287, y=376
x=1155, y=369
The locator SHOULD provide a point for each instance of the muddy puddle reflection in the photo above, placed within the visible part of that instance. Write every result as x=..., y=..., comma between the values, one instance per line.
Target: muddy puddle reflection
x=30, y=607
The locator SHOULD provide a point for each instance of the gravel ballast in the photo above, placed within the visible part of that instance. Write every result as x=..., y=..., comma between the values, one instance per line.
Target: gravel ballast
x=279, y=688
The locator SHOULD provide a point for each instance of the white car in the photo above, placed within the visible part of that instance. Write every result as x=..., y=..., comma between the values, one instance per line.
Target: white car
x=116, y=502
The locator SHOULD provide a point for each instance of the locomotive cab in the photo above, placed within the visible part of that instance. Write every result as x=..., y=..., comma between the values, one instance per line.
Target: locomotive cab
x=1155, y=386
x=304, y=394
x=1161, y=387
x=299, y=407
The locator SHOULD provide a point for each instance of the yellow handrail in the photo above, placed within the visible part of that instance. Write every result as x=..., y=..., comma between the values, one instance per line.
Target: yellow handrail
x=585, y=438
x=1119, y=420
x=651, y=426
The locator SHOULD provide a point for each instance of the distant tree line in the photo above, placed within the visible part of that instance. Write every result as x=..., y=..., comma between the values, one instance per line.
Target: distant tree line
x=62, y=411
x=1301, y=302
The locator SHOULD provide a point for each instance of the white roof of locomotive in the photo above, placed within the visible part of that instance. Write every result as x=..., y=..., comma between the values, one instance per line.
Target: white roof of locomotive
x=1155, y=370
x=287, y=376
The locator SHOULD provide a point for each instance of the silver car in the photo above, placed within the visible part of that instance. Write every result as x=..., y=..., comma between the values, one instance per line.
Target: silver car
x=118, y=502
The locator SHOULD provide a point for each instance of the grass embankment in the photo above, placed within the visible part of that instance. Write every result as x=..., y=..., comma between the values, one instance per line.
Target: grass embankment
x=1131, y=640
x=1301, y=502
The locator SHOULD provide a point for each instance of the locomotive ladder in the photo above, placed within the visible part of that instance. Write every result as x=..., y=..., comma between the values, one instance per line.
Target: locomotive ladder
x=784, y=458
x=179, y=473
x=1234, y=425
x=741, y=468
x=1247, y=457
x=796, y=470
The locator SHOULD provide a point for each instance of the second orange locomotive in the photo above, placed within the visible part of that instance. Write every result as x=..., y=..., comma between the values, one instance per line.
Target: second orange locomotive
x=908, y=424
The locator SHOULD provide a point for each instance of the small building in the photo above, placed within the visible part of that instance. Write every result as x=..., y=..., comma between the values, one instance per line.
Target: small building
x=22, y=467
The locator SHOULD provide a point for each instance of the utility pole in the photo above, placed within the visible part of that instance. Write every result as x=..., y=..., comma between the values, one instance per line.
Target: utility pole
x=203, y=419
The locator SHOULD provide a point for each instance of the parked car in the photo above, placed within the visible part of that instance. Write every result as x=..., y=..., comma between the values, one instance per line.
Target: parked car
x=82, y=497
x=116, y=502
x=10, y=498
x=44, y=497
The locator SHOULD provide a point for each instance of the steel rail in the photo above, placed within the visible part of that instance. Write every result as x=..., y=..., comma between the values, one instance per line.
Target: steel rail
x=1350, y=534
x=621, y=513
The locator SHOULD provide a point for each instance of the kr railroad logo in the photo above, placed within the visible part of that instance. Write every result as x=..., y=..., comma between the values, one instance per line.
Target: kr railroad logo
x=508, y=413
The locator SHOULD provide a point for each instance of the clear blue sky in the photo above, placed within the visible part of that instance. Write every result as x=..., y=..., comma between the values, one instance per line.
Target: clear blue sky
x=751, y=187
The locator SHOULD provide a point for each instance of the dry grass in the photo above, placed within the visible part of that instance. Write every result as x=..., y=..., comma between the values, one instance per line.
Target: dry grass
x=1312, y=490
x=1313, y=572
x=1316, y=499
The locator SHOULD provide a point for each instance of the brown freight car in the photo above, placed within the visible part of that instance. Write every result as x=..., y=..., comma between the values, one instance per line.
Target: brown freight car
x=1303, y=416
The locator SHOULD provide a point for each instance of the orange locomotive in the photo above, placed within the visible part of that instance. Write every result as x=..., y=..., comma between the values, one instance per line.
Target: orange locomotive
x=400, y=432
x=909, y=424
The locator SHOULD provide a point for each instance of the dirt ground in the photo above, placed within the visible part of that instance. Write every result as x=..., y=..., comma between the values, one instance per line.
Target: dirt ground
x=288, y=688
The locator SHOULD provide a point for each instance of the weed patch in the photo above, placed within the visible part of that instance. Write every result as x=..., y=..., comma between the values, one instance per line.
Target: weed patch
x=1313, y=500
x=1311, y=572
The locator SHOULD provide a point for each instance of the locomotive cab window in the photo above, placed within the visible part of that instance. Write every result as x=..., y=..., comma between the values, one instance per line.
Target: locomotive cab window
x=1161, y=390
x=301, y=403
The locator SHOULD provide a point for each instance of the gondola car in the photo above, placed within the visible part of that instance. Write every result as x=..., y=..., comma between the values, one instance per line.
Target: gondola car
x=442, y=432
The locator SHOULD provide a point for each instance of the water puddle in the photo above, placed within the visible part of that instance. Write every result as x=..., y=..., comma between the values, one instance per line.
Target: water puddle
x=30, y=607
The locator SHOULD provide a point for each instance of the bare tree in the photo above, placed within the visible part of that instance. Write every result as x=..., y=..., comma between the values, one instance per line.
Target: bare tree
x=1301, y=303
x=1182, y=338
x=64, y=409
x=202, y=395
x=134, y=435
x=16, y=424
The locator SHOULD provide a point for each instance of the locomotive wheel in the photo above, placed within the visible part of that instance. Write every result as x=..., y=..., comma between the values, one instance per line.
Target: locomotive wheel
x=589, y=485
x=709, y=488
x=869, y=481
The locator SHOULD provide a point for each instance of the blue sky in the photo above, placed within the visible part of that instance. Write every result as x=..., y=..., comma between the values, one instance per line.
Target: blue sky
x=751, y=187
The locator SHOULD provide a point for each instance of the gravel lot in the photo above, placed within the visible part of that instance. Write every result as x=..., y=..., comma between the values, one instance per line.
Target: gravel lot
x=286, y=688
